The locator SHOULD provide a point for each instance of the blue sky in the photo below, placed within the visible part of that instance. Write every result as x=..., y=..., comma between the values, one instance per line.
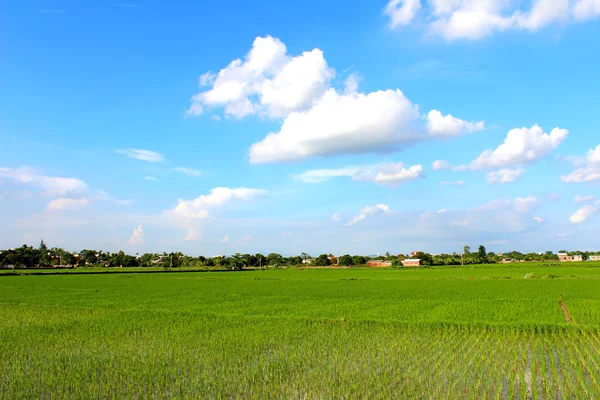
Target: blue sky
x=364, y=127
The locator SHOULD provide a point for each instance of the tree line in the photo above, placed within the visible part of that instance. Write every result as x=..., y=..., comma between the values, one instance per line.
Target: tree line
x=42, y=256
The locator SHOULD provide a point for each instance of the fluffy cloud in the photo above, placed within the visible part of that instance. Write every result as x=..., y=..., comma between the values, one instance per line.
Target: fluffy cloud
x=539, y=220
x=476, y=19
x=52, y=186
x=381, y=121
x=225, y=239
x=137, y=237
x=402, y=12
x=188, y=171
x=522, y=146
x=64, y=204
x=369, y=211
x=144, y=155
x=586, y=9
x=318, y=120
x=583, y=214
x=336, y=217
x=590, y=168
x=505, y=175
x=198, y=207
x=584, y=199
x=385, y=174
x=268, y=81
x=447, y=125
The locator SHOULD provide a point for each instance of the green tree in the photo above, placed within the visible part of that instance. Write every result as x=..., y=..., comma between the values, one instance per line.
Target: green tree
x=322, y=261
x=345, y=260
x=236, y=262
x=358, y=260
x=482, y=254
x=261, y=261
x=274, y=259
x=466, y=250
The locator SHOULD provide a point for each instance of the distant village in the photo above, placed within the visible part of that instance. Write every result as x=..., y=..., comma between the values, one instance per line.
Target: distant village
x=44, y=257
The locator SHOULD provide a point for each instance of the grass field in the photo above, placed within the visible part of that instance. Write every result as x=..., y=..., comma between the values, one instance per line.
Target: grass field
x=429, y=333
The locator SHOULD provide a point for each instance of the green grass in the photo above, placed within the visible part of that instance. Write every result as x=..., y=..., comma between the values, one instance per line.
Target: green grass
x=356, y=333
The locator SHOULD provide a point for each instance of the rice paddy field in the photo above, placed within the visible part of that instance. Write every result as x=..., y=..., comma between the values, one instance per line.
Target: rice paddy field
x=527, y=332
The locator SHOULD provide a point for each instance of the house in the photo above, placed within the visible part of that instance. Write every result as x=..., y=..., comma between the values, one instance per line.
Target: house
x=564, y=257
x=411, y=262
x=379, y=263
x=508, y=261
x=307, y=260
x=578, y=258
x=594, y=258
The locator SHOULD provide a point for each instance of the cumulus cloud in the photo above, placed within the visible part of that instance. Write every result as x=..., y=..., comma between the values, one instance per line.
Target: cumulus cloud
x=52, y=186
x=522, y=146
x=267, y=81
x=318, y=120
x=64, y=204
x=198, y=208
x=337, y=217
x=477, y=19
x=137, y=237
x=539, y=220
x=590, y=168
x=583, y=214
x=188, y=171
x=369, y=211
x=141, y=154
x=385, y=174
x=447, y=125
x=505, y=175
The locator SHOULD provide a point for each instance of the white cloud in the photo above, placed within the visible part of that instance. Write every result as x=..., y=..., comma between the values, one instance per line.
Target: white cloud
x=198, y=207
x=340, y=124
x=268, y=81
x=368, y=212
x=391, y=174
x=149, y=178
x=505, y=175
x=476, y=19
x=447, y=183
x=64, y=204
x=141, y=154
x=286, y=235
x=337, y=217
x=522, y=146
x=441, y=165
x=447, y=125
x=583, y=214
x=402, y=12
x=246, y=239
x=52, y=186
x=351, y=83
x=137, y=237
x=586, y=9
x=584, y=199
x=188, y=171
x=225, y=239
x=590, y=168
x=318, y=120
x=385, y=174
x=539, y=220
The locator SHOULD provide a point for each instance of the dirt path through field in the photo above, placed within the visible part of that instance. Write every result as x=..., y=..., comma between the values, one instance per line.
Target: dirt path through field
x=565, y=311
